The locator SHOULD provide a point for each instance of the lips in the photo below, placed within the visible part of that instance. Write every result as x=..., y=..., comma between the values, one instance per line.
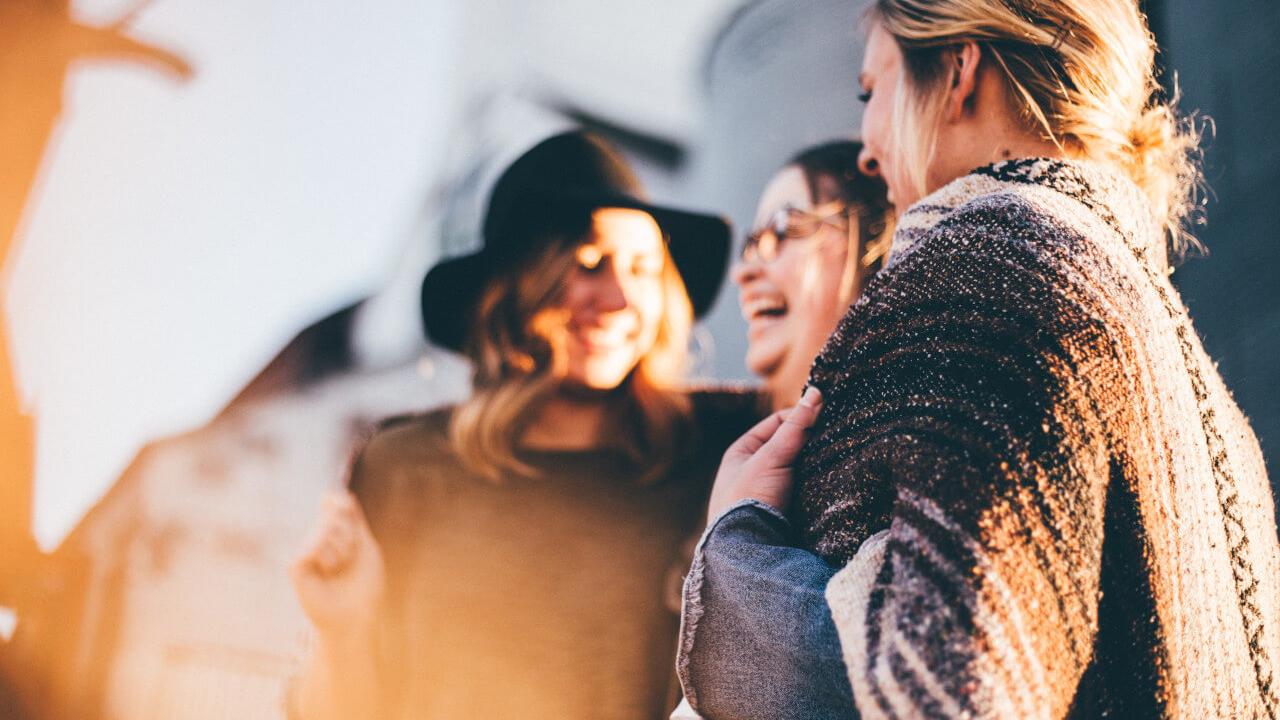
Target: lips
x=764, y=306
x=602, y=337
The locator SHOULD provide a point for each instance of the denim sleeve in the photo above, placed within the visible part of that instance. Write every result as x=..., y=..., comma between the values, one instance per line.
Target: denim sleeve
x=756, y=635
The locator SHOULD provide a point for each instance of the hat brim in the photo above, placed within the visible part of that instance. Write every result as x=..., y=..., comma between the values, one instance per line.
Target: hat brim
x=698, y=244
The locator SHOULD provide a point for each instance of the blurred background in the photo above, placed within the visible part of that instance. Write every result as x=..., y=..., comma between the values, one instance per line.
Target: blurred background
x=214, y=218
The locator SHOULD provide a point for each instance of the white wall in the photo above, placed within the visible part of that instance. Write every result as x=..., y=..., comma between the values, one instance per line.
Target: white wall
x=183, y=232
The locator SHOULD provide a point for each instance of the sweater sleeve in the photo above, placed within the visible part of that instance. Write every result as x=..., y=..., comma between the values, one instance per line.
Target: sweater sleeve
x=966, y=397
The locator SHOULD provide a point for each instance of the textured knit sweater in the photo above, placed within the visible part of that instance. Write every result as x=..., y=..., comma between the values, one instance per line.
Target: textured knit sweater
x=1044, y=499
x=532, y=598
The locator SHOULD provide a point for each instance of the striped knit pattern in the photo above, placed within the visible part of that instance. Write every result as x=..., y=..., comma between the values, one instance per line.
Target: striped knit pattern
x=1045, y=500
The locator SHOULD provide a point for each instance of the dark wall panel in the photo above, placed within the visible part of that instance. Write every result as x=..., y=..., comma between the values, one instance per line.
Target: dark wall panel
x=1226, y=59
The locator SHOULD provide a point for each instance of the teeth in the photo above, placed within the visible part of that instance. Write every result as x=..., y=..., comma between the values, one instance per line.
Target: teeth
x=758, y=306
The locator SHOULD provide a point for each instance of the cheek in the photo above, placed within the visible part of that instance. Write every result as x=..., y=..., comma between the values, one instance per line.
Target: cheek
x=819, y=290
x=650, y=308
x=788, y=275
x=645, y=301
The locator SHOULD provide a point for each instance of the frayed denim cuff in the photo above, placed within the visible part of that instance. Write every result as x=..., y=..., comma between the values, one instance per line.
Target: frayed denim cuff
x=758, y=522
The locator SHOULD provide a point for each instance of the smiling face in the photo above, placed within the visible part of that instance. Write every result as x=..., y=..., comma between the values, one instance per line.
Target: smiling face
x=612, y=303
x=793, y=302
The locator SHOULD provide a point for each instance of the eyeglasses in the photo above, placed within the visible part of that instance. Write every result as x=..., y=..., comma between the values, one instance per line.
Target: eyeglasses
x=789, y=223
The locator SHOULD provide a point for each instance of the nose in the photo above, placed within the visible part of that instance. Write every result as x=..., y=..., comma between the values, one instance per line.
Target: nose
x=745, y=270
x=867, y=164
x=610, y=295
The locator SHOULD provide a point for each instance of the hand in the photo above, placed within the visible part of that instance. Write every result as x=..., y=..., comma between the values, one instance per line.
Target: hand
x=758, y=464
x=339, y=576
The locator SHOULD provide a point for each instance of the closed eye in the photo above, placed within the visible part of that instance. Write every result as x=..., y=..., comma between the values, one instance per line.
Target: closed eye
x=589, y=258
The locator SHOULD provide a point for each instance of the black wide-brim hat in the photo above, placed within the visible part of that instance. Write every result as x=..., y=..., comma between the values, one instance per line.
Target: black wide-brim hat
x=565, y=176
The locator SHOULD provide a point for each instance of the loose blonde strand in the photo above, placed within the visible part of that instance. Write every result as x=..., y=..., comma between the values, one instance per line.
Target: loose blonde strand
x=1084, y=72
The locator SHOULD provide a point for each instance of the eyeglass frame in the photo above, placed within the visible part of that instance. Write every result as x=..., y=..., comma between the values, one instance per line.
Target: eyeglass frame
x=778, y=223
x=871, y=252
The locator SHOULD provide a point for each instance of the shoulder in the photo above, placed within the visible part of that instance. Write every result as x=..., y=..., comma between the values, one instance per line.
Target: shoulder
x=412, y=435
x=401, y=454
x=1018, y=224
x=1017, y=271
x=1002, y=253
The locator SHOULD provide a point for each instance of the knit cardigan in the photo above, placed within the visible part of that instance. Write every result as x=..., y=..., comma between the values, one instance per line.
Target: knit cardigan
x=1045, y=502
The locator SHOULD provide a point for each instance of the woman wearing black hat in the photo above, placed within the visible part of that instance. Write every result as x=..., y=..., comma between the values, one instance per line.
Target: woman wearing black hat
x=509, y=557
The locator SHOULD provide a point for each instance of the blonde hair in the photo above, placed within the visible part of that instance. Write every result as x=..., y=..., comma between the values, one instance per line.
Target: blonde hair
x=1080, y=71
x=517, y=347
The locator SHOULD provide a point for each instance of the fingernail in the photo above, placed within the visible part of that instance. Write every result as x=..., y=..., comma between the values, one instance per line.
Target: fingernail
x=812, y=396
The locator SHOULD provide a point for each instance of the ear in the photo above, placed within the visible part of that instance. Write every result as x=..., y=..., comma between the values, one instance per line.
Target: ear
x=964, y=60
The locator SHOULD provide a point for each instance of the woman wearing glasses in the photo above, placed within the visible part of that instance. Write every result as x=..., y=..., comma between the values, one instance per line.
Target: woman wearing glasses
x=822, y=230
x=1026, y=491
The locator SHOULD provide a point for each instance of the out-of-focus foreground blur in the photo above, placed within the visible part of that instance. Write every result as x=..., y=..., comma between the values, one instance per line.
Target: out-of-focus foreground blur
x=214, y=218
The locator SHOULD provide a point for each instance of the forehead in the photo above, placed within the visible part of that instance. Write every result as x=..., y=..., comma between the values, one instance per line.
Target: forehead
x=882, y=52
x=625, y=230
x=787, y=188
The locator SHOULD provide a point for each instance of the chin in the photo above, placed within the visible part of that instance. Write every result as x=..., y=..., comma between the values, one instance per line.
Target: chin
x=602, y=384
x=604, y=376
x=762, y=362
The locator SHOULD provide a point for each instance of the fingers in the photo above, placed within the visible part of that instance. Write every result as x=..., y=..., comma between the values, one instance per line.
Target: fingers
x=781, y=449
x=805, y=413
x=791, y=424
x=755, y=438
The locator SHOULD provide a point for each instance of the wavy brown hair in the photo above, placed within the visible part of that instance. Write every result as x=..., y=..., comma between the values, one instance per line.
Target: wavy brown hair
x=832, y=174
x=1080, y=71
x=517, y=348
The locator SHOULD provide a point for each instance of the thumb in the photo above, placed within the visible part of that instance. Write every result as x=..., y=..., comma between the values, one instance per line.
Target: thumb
x=755, y=438
x=782, y=448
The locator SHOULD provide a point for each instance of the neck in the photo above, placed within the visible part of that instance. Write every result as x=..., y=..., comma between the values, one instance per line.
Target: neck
x=784, y=386
x=567, y=422
x=986, y=147
x=1019, y=145
x=988, y=131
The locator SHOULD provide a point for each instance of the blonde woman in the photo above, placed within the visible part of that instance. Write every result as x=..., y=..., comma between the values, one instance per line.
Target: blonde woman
x=822, y=230
x=508, y=557
x=1025, y=491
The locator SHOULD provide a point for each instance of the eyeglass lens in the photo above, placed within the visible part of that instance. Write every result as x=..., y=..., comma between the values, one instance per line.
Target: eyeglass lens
x=787, y=223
